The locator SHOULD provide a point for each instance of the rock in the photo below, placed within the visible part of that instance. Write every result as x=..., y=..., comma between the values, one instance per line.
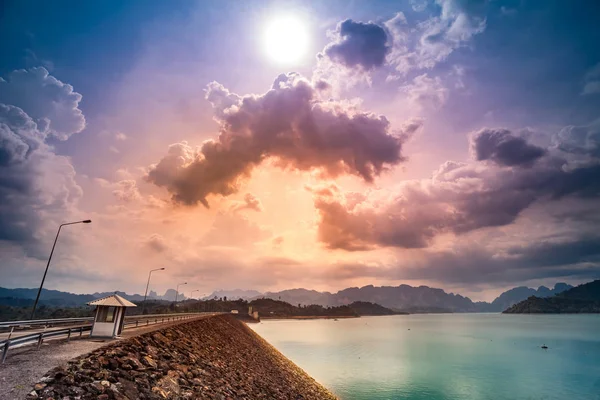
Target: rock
x=160, y=392
x=113, y=364
x=39, y=386
x=105, y=383
x=33, y=395
x=150, y=362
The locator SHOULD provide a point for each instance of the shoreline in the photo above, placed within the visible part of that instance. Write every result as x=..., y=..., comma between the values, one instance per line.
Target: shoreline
x=301, y=317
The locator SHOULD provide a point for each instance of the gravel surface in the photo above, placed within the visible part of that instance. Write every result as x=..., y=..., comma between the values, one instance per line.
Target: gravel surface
x=26, y=365
x=212, y=358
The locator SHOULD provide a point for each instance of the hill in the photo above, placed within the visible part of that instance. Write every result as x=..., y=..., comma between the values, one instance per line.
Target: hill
x=269, y=308
x=366, y=308
x=581, y=299
x=515, y=295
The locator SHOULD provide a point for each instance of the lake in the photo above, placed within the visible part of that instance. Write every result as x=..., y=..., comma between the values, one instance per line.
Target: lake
x=446, y=356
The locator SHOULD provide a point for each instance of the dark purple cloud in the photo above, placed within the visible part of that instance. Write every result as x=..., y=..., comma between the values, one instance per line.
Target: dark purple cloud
x=289, y=125
x=459, y=197
x=358, y=44
x=504, y=148
x=577, y=258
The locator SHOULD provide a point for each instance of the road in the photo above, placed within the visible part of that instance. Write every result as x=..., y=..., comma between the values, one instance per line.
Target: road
x=25, y=366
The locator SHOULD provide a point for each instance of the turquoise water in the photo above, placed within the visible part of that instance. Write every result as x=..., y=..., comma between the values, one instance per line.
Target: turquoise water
x=450, y=356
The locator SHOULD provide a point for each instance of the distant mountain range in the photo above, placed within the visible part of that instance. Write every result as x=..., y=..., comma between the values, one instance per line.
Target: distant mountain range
x=411, y=299
x=403, y=298
x=22, y=297
x=581, y=299
x=234, y=294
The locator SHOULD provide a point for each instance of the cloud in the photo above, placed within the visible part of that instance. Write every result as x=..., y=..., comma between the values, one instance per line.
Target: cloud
x=50, y=103
x=426, y=92
x=462, y=197
x=251, y=202
x=578, y=258
x=504, y=148
x=289, y=125
x=120, y=136
x=37, y=187
x=156, y=243
x=418, y=5
x=127, y=190
x=359, y=45
x=433, y=40
x=592, y=80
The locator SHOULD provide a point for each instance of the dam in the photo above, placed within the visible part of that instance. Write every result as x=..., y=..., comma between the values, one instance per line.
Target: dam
x=212, y=358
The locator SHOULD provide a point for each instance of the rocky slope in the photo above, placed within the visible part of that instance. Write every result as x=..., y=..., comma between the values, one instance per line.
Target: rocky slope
x=213, y=358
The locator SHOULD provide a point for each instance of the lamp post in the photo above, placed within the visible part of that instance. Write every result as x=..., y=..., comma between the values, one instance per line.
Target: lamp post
x=148, y=284
x=37, y=298
x=177, y=291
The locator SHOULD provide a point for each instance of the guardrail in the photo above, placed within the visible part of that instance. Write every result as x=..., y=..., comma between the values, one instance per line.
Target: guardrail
x=132, y=321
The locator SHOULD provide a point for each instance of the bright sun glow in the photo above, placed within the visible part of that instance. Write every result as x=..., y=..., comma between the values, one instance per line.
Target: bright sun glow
x=286, y=40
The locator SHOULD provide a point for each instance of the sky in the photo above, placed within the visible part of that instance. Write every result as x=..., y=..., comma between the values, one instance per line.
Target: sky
x=276, y=145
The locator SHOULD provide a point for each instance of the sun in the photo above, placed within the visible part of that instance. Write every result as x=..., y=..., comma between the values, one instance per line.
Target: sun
x=286, y=40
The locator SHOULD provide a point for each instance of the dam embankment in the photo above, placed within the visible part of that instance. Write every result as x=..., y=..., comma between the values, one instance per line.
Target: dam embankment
x=212, y=358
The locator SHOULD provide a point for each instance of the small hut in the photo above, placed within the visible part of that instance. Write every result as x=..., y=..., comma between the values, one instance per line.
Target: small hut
x=110, y=315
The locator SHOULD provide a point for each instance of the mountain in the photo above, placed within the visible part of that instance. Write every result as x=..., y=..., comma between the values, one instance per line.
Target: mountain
x=234, y=294
x=421, y=299
x=581, y=299
x=398, y=298
x=518, y=294
x=405, y=297
x=301, y=296
x=56, y=298
x=47, y=297
x=130, y=297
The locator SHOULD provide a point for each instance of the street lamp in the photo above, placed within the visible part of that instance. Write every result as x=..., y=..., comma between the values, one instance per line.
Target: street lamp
x=85, y=221
x=177, y=291
x=148, y=284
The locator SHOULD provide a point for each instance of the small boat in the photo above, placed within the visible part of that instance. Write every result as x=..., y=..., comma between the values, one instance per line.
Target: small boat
x=544, y=347
x=335, y=319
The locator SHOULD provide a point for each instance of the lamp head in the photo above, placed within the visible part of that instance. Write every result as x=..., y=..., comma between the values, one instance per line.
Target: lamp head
x=87, y=221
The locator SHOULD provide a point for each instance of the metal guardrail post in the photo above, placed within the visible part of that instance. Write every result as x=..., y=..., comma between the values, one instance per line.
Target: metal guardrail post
x=40, y=340
x=12, y=328
x=81, y=331
x=69, y=335
x=5, y=351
